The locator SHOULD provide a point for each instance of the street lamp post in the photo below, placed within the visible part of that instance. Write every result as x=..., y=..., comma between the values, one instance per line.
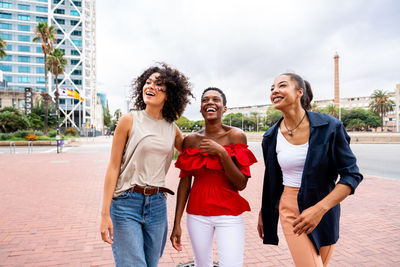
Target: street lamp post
x=58, y=121
x=257, y=122
x=242, y=122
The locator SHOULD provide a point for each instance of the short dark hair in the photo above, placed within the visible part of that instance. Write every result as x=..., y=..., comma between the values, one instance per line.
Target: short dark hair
x=178, y=90
x=218, y=90
x=305, y=85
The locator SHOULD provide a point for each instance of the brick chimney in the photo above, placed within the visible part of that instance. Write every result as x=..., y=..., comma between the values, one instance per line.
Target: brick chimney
x=336, y=96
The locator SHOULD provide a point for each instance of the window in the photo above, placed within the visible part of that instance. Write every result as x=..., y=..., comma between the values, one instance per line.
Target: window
x=74, y=13
x=6, y=58
x=8, y=78
x=42, y=1
x=0, y=102
x=39, y=49
x=57, y=1
x=39, y=70
x=39, y=60
x=59, y=11
x=24, y=79
x=74, y=61
x=74, y=22
x=5, y=15
x=24, y=69
x=77, y=72
x=77, y=33
x=60, y=21
x=40, y=80
x=14, y=103
x=77, y=42
x=24, y=17
x=25, y=28
x=9, y=47
x=24, y=7
x=59, y=41
x=5, y=36
x=78, y=3
x=5, y=26
x=59, y=31
x=24, y=48
x=5, y=5
x=41, y=19
x=21, y=103
x=6, y=68
x=24, y=38
x=74, y=52
x=77, y=82
x=41, y=9
x=24, y=59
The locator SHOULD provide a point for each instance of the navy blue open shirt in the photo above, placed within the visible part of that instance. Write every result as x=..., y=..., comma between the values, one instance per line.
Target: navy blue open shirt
x=328, y=156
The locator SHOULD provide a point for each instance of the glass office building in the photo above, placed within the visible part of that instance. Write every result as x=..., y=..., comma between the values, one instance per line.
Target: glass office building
x=23, y=66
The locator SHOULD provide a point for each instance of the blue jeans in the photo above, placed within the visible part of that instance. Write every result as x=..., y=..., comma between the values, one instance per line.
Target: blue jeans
x=140, y=229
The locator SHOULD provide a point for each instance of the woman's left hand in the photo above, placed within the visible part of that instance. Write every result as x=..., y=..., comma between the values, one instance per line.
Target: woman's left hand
x=308, y=220
x=211, y=147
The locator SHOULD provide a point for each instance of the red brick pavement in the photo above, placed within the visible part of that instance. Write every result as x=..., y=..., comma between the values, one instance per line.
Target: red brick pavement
x=49, y=216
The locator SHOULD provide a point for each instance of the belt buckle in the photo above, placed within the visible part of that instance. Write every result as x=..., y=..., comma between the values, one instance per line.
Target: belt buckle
x=144, y=190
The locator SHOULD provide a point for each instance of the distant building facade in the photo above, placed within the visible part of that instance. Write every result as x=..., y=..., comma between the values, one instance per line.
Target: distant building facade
x=391, y=121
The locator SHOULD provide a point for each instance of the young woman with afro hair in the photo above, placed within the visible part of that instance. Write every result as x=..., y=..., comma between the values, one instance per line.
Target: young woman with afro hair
x=134, y=214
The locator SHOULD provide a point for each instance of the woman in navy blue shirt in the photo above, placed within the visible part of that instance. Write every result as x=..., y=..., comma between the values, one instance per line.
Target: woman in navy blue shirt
x=304, y=152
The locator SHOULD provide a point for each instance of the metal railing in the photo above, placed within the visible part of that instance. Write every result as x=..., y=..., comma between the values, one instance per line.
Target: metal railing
x=30, y=147
x=12, y=147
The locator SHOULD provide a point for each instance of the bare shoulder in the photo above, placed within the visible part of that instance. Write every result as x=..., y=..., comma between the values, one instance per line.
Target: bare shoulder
x=124, y=125
x=192, y=140
x=236, y=135
x=125, y=121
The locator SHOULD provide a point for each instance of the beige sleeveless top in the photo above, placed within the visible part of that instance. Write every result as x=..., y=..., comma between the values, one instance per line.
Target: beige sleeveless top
x=148, y=153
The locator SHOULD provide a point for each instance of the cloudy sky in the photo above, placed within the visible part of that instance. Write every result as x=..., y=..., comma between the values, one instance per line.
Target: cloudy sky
x=240, y=46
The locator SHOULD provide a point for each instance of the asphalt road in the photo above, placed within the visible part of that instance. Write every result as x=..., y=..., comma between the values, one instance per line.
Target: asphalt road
x=380, y=160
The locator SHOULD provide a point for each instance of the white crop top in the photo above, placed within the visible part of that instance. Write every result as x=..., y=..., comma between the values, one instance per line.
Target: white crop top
x=291, y=158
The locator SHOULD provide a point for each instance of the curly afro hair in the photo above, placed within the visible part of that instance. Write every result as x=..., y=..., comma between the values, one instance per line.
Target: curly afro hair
x=178, y=90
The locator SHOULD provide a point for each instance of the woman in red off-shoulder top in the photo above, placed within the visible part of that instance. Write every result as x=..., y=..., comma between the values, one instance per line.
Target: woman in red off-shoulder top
x=218, y=159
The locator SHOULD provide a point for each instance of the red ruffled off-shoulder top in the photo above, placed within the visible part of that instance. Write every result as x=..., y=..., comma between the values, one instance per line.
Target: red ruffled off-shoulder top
x=212, y=193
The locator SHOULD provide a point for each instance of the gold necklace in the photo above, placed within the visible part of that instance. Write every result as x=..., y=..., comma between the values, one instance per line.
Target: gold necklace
x=290, y=132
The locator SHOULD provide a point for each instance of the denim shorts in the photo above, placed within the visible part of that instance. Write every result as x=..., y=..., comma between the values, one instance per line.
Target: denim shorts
x=140, y=228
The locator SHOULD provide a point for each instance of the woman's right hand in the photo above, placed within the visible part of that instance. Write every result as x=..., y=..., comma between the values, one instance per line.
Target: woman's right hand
x=106, y=229
x=176, y=238
x=260, y=227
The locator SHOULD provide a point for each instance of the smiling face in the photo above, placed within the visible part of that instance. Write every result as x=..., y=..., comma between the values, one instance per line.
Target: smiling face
x=212, y=106
x=285, y=93
x=154, y=91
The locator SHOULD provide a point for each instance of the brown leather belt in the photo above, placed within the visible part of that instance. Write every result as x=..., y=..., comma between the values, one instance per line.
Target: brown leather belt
x=150, y=190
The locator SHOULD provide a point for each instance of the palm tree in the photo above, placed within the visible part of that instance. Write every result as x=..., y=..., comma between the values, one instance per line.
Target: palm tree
x=332, y=110
x=117, y=114
x=46, y=34
x=56, y=64
x=381, y=104
x=3, y=47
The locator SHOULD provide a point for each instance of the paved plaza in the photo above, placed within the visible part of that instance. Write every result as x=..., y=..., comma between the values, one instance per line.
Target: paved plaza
x=50, y=214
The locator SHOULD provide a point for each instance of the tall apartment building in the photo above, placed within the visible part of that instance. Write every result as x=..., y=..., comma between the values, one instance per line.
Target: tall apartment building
x=23, y=66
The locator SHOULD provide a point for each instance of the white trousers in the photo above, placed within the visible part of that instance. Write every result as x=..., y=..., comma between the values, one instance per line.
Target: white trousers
x=229, y=231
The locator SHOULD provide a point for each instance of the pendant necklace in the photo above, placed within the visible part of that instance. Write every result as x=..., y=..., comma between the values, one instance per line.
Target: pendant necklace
x=290, y=132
